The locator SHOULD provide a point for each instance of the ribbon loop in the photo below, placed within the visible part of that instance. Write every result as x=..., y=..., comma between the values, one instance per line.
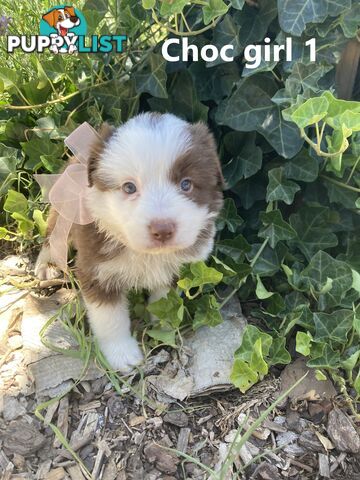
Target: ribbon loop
x=68, y=192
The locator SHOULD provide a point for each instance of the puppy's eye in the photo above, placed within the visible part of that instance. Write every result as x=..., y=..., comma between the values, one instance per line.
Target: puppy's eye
x=129, y=188
x=186, y=185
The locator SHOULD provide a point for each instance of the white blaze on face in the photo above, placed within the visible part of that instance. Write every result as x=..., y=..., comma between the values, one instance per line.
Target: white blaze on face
x=142, y=152
x=65, y=21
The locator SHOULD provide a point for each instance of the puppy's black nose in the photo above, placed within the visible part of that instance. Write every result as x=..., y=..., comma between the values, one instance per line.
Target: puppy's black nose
x=162, y=230
x=74, y=19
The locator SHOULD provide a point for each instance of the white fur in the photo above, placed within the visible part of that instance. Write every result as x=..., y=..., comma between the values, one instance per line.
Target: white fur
x=143, y=151
x=111, y=326
x=44, y=270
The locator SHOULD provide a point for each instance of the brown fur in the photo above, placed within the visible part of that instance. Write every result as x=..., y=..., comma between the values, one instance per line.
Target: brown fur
x=53, y=17
x=202, y=165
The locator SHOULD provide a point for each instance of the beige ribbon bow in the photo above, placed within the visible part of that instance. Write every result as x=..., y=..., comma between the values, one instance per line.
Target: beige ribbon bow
x=67, y=192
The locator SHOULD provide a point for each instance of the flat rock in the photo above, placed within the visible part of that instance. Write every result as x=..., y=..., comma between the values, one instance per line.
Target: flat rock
x=23, y=438
x=211, y=355
x=294, y=371
x=342, y=432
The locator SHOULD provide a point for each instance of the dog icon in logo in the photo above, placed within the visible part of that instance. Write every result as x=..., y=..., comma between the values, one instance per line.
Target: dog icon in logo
x=62, y=20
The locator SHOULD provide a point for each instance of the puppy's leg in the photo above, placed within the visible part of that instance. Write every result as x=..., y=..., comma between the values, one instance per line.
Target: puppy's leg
x=110, y=322
x=44, y=267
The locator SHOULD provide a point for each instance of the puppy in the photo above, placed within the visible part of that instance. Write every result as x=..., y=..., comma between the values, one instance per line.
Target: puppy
x=155, y=192
x=62, y=19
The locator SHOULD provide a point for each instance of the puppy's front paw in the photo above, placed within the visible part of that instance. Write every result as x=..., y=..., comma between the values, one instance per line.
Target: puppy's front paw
x=123, y=354
x=45, y=271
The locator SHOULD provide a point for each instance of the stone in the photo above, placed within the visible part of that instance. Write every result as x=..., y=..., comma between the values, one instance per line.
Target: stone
x=180, y=419
x=164, y=460
x=294, y=371
x=310, y=441
x=12, y=408
x=342, y=432
x=23, y=438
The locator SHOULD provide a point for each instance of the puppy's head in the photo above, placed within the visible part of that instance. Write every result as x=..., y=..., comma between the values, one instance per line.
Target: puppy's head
x=62, y=17
x=156, y=183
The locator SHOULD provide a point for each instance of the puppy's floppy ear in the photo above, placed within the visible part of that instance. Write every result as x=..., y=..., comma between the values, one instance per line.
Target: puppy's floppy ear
x=70, y=11
x=97, y=148
x=50, y=18
x=207, y=141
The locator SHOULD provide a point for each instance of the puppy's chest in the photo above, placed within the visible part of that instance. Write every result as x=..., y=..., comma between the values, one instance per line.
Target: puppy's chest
x=130, y=270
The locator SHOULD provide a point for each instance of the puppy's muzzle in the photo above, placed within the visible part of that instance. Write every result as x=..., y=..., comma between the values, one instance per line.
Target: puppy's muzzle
x=162, y=231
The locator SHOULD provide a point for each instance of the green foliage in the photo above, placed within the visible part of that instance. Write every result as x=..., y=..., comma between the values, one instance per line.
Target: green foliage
x=288, y=237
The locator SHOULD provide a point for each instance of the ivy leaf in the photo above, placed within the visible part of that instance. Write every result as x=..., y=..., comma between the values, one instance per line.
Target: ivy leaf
x=9, y=77
x=323, y=267
x=254, y=22
x=328, y=358
x=340, y=195
x=163, y=335
x=275, y=228
x=313, y=227
x=250, y=336
x=207, y=312
x=169, y=310
x=250, y=108
x=305, y=77
x=15, y=202
x=303, y=343
x=118, y=96
x=148, y=4
x=269, y=261
x=8, y=161
x=199, y=275
x=172, y=7
x=310, y=112
x=37, y=147
x=229, y=217
x=152, y=78
x=278, y=353
x=302, y=167
x=214, y=9
x=279, y=188
x=242, y=375
x=337, y=108
x=294, y=15
x=333, y=327
x=257, y=362
x=227, y=33
x=40, y=222
x=261, y=291
x=350, y=363
x=235, y=248
x=246, y=164
x=25, y=225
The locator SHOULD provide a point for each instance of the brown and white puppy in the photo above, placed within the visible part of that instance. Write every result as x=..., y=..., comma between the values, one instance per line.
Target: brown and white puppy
x=155, y=192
